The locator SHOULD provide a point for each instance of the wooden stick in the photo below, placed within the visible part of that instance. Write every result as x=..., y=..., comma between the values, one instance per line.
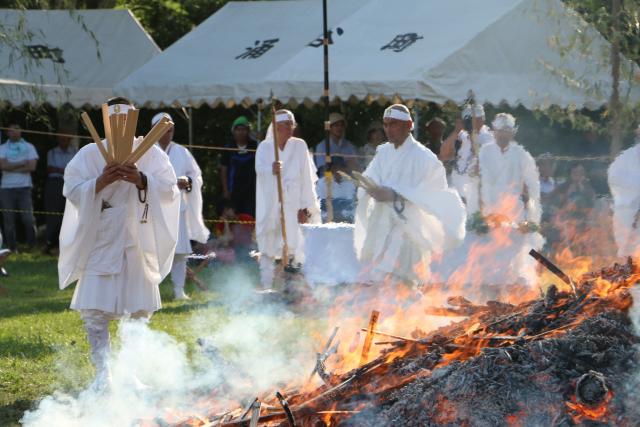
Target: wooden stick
x=130, y=131
x=285, y=246
x=114, y=121
x=255, y=414
x=384, y=334
x=151, y=138
x=107, y=130
x=96, y=138
x=369, y=337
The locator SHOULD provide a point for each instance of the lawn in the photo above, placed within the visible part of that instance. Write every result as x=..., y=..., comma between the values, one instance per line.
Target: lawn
x=43, y=346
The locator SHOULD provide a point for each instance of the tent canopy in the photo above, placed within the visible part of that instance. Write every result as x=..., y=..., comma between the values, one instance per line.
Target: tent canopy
x=74, y=57
x=514, y=51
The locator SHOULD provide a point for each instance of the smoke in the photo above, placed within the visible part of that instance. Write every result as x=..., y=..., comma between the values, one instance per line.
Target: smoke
x=244, y=348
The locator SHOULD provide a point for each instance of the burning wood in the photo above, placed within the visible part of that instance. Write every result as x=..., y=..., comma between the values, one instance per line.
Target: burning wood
x=562, y=359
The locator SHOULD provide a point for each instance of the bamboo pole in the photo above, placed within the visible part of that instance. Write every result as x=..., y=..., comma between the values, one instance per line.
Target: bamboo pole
x=285, y=246
x=96, y=138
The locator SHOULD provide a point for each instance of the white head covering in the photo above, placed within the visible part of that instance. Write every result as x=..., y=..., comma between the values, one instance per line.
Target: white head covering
x=281, y=116
x=398, y=112
x=159, y=116
x=504, y=121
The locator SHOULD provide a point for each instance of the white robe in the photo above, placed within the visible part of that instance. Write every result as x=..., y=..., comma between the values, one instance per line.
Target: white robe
x=298, y=187
x=505, y=176
x=434, y=216
x=191, y=223
x=117, y=260
x=624, y=183
x=464, y=177
x=502, y=256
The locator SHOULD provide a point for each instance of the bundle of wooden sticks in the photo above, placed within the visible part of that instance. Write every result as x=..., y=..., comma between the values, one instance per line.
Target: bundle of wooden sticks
x=120, y=131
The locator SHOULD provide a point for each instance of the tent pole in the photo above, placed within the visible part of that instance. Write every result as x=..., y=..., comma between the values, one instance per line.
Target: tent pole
x=190, y=127
x=259, y=103
x=328, y=177
x=416, y=121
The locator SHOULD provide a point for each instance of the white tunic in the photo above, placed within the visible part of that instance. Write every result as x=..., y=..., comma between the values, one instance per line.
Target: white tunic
x=506, y=176
x=624, y=183
x=117, y=260
x=191, y=223
x=501, y=257
x=464, y=177
x=433, y=218
x=298, y=185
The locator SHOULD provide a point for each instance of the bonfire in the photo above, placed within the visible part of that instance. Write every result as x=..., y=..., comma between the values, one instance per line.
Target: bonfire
x=567, y=357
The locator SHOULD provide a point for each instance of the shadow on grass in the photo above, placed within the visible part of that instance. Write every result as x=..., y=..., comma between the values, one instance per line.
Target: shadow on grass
x=10, y=414
x=36, y=307
x=185, y=308
x=10, y=347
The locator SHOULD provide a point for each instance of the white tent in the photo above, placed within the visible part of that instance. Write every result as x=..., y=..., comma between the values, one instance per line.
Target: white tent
x=74, y=57
x=504, y=50
x=226, y=57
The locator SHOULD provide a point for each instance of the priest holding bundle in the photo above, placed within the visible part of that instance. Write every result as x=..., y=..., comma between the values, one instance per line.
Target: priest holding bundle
x=120, y=227
x=405, y=209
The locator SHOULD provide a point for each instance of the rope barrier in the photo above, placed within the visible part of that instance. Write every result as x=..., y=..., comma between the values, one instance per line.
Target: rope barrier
x=355, y=156
x=230, y=221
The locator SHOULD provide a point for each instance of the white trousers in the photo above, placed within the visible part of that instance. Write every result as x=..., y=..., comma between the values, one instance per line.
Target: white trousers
x=179, y=271
x=96, y=323
x=267, y=271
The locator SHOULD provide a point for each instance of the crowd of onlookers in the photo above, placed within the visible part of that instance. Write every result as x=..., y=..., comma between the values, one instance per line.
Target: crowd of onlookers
x=569, y=200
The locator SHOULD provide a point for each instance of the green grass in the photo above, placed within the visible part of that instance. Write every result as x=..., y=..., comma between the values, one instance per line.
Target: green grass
x=43, y=345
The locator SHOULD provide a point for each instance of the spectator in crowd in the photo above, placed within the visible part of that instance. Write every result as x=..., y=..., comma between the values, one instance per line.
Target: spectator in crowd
x=548, y=184
x=18, y=159
x=338, y=144
x=435, y=131
x=343, y=194
x=234, y=236
x=547, y=168
x=375, y=136
x=574, y=201
x=237, y=171
x=4, y=254
x=57, y=160
x=576, y=191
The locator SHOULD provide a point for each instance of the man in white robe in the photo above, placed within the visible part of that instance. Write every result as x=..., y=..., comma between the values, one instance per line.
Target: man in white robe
x=510, y=201
x=624, y=183
x=410, y=213
x=191, y=225
x=118, y=237
x=465, y=177
x=301, y=203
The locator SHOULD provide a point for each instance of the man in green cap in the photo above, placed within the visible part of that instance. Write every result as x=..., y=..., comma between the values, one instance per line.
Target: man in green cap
x=238, y=173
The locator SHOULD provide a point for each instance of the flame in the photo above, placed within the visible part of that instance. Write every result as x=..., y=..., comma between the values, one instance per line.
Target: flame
x=583, y=412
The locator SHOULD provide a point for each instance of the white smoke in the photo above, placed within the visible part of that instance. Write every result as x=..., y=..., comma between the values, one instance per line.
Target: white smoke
x=248, y=348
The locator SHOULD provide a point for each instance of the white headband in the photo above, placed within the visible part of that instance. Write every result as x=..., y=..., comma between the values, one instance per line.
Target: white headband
x=392, y=113
x=119, y=109
x=159, y=117
x=285, y=117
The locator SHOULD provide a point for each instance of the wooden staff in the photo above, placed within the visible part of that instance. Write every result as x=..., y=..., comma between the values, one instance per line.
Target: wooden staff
x=285, y=246
x=96, y=138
